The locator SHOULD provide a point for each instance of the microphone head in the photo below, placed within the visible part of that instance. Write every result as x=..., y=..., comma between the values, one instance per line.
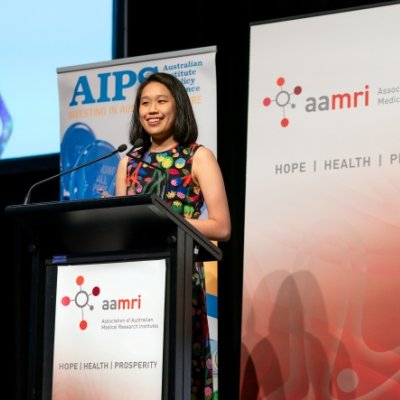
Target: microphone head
x=138, y=143
x=122, y=147
x=136, y=147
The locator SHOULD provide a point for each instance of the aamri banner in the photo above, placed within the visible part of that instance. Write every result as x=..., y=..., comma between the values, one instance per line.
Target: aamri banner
x=322, y=221
x=109, y=330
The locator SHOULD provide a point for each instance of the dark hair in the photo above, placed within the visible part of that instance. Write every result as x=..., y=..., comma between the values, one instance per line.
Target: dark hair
x=184, y=130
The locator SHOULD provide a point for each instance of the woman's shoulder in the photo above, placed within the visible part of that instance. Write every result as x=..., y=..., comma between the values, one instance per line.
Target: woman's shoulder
x=195, y=147
x=203, y=153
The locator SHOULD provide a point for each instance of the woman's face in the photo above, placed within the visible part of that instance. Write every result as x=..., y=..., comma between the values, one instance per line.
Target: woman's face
x=157, y=111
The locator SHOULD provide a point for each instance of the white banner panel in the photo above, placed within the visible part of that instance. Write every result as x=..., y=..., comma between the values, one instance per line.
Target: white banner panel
x=322, y=217
x=96, y=103
x=109, y=331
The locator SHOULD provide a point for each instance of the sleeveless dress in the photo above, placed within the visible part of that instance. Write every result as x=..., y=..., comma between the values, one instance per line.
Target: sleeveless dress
x=186, y=198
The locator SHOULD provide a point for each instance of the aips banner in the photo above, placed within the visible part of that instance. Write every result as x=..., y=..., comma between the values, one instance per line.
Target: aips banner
x=96, y=104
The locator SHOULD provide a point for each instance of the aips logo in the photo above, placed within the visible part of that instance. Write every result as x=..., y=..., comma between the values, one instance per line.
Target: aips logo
x=334, y=101
x=110, y=86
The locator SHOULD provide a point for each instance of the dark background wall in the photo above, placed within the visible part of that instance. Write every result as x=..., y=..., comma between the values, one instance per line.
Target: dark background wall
x=146, y=28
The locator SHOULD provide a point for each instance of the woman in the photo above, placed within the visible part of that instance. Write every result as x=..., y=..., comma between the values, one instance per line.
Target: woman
x=171, y=159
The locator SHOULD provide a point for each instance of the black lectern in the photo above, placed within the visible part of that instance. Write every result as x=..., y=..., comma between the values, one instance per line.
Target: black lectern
x=104, y=230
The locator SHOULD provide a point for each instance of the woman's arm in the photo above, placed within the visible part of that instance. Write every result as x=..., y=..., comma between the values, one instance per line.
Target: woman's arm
x=207, y=174
x=120, y=180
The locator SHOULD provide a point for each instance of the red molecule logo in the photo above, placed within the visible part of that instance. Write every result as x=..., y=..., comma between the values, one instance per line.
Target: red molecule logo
x=283, y=100
x=81, y=300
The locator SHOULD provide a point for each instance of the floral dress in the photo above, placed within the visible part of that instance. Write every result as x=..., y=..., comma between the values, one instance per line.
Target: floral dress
x=168, y=174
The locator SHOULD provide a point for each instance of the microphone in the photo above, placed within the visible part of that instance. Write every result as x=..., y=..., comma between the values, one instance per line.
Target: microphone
x=120, y=148
x=137, y=146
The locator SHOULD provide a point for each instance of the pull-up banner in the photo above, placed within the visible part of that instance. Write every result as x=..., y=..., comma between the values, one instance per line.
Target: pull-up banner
x=322, y=221
x=96, y=104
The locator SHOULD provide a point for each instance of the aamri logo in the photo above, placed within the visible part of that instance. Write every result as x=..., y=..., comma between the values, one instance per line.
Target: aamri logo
x=343, y=101
x=283, y=99
x=81, y=300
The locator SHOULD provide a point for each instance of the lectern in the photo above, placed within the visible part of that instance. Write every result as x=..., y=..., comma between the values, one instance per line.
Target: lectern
x=110, y=235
